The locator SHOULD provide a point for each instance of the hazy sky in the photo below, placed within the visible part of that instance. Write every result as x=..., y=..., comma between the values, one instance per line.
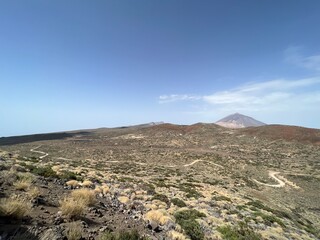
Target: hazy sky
x=87, y=64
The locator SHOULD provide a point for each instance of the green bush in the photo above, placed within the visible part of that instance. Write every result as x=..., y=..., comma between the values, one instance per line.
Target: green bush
x=240, y=232
x=187, y=220
x=67, y=175
x=269, y=219
x=190, y=191
x=178, y=202
x=44, y=171
x=161, y=197
x=221, y=198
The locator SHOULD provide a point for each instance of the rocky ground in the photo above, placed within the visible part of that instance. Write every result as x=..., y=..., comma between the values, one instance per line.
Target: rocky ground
x=161, y=182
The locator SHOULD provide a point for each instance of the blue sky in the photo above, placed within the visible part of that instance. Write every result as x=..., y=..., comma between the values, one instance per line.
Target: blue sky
x=86, y=64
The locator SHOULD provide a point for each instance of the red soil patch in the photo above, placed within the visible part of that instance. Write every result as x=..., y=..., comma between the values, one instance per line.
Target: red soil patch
x=288, y=133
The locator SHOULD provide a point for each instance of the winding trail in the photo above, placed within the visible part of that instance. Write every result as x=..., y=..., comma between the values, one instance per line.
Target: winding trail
x=273, y=174
x=199, y=160
x=41, y=157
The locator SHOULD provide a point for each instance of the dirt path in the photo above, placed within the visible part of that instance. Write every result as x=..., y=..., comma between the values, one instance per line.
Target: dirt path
x=44, y=154
x=199, y=160
x=281, y=181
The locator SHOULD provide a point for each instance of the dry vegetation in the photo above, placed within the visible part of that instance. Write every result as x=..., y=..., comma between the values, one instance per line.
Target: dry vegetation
x=14, y=207
x=165, y=182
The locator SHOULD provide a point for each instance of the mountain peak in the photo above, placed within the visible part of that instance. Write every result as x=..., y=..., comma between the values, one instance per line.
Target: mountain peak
x=238, y=120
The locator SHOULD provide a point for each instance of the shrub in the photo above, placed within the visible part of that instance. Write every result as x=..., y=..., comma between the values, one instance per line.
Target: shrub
x=84, y=195
x=158, y=216
x=22, y=184
x=15, y=207
x=72, y=208
x=26, y=176
x=124, y=199
x=87, y=183
x=221, y=198
x=44, y=171
x=34, y=193
x=9, y=176
x=72, y=183
x=68, y=175
x=132, y=235
x=187, y=220
x=73, y=231
x=192, y=228
x=162, y=198
x=190, y=191
x=178, y=202
x=240, y=232
x=269, y=219
x=174, y=235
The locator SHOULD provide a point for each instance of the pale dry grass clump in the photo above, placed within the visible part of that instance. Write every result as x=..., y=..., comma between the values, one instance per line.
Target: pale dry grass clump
x=174, y=235
x=72, y=208
x=102, y=189
x=158, y=216
x=86, y=196
x=56, y=168
x=15, y=207
x=87, y=183
x=124, y=199
x=72, y=183
x=105, y=189
x=34, y=192
x=22, y=184
x=73, y=231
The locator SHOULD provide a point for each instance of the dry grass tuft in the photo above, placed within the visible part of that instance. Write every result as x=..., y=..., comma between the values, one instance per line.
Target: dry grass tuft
x=72, y=208
x=98, y=190
x=124, y=199
x=86, y=196
x=158, y=216
x=22, y=184
x=105, y=189
x=72, y=183
x=87, y=183
x=34, y=193
x=174, y=235
x=73, y=231
x=15, y=207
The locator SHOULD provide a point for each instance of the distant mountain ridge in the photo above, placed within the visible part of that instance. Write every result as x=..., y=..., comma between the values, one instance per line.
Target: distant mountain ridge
x=238, y=120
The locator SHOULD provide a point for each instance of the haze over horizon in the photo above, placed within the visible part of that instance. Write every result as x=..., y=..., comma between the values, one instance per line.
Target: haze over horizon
x=67, y=65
